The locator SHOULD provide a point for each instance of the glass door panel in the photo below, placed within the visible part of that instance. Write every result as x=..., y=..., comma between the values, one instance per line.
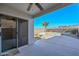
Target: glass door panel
x=8, y=34
x=22, y=32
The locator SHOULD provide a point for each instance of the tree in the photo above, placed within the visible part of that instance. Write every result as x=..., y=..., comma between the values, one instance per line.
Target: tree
x=45, y=24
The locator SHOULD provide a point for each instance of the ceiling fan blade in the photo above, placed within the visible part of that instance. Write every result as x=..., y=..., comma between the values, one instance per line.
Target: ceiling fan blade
x=29, y=7
x=39, y=6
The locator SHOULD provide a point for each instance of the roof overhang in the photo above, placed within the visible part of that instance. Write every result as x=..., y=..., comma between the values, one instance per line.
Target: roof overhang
x=51, y=9
x=34, y=12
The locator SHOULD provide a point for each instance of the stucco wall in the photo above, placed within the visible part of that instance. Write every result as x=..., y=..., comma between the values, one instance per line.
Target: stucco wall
x=12, y=12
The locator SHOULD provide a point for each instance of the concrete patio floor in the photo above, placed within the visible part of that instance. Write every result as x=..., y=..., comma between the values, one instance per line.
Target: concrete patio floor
x=55, y=46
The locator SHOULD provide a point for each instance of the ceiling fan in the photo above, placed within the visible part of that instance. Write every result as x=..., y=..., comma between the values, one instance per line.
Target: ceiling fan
x=37, y=4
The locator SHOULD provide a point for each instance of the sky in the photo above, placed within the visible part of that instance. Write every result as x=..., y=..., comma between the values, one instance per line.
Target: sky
x=66, y=16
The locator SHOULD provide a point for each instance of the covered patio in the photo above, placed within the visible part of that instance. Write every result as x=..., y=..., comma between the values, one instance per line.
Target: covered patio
x=27, y=11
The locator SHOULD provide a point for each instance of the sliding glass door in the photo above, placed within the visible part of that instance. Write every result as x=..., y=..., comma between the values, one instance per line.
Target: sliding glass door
x=8, y=34
x=13, y=33
x=22, y=32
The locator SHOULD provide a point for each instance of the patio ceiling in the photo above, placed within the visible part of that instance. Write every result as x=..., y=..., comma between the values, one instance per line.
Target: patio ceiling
x=35, y=10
